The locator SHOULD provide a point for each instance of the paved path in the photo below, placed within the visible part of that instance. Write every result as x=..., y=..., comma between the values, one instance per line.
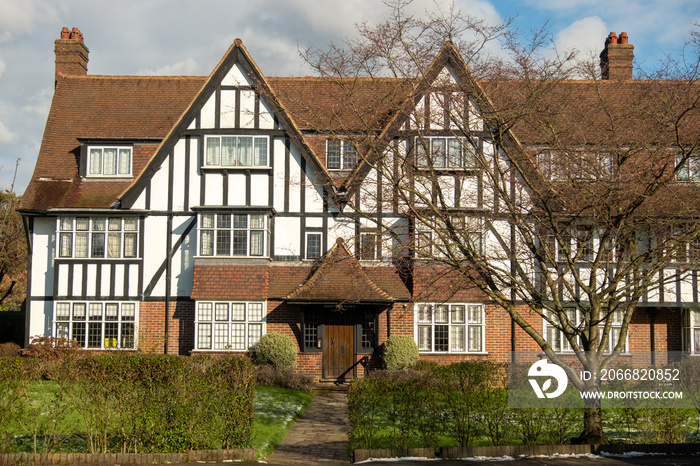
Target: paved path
x=320, y=436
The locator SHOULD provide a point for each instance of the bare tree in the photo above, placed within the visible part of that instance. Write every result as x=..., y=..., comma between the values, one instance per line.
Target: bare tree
x=559, y=198
x=13, y=251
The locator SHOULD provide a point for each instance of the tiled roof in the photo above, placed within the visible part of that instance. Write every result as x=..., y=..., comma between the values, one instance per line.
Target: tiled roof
x=101, y=107
x=147, y=108
x=340, y=277
x=340, y=105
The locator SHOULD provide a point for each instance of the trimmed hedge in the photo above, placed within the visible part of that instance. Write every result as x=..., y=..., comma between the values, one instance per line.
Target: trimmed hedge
x=130, y=402
x=460, y=404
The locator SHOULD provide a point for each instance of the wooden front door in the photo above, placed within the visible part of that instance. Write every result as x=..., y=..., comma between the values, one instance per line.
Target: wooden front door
x=338, y=347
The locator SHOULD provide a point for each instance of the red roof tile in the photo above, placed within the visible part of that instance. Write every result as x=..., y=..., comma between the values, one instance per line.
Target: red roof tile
x=340, y=277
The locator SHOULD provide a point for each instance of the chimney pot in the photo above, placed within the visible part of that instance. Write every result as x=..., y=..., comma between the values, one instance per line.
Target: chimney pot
x=611, y=39
x=71, y=53
x=616, y=59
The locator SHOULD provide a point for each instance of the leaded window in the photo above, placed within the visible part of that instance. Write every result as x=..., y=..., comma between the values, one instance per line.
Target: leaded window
x=229, y=326
x=237, y=151
x=98, y=237
x=97, y=325
x=233, y=235
x=109, y=161
x=450, y=328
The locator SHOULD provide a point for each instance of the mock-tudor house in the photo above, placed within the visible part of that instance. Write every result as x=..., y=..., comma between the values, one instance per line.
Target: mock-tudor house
x=183, y=215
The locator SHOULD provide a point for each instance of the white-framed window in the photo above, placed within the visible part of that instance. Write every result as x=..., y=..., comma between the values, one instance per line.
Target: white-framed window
x=690, y=169
x=445, y=153
x=97, y=324
x=98, y=237
x=109, y=161
x=237, y=151
x=340, y=155
x=229, y=326
x=577, y=164
x=233, y=235
x=449, y=328
x=691, y=330
x=313, y=245
x=559, y=343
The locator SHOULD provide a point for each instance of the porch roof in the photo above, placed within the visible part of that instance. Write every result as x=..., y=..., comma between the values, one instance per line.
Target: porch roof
x=339, y=277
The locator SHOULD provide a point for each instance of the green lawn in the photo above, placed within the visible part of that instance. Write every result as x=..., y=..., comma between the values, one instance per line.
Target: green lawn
x=276, y=409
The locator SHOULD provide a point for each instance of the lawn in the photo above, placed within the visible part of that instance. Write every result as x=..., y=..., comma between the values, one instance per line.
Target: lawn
x=276, y=409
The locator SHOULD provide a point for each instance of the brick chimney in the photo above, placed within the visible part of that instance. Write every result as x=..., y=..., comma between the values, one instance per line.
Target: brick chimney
x=71, y=53
x=616, y=58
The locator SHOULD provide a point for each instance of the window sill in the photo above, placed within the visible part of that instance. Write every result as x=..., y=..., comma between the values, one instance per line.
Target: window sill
x=98, y=259
x=237, y=168
x=450, y=353
x=108, y=178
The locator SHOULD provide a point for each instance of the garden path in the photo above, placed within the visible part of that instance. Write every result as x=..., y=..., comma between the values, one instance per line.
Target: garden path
x=320, y=436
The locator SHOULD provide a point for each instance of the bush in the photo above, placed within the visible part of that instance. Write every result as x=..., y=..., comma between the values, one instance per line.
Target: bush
x=9, y=350
x=400, y=353
x=278, y=350
x=426, y=365
x=272, y=376
x=51, y=348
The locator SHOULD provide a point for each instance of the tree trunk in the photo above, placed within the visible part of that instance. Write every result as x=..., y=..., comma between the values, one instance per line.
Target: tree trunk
x=592, y=427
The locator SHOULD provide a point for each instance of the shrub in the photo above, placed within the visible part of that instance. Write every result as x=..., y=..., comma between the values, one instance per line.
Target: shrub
x=9, y=350
x=426, y=365
x=51, y=348
x=272, y=376
x=400, y=353
x=277, y=349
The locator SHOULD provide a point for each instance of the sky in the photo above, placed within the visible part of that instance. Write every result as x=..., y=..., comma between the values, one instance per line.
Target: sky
x=188, y=37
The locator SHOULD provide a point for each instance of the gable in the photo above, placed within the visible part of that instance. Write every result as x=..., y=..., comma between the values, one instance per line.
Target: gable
x=235, y=100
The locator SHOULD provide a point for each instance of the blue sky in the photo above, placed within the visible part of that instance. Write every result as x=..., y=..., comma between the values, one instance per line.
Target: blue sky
x=187, y=37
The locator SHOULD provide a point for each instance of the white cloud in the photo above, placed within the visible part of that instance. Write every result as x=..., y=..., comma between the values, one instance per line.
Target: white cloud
x=185, y=67
x=587, y=36
x=2, y=67
x=6, y=136
x=20, y=16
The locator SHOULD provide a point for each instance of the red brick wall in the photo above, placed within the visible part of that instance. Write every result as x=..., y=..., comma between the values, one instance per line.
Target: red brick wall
x=235, y=282
x=151, y=327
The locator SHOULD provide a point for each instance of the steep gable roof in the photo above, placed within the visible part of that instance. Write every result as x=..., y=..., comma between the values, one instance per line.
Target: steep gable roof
x=447, y=59
x=341, y=278
x=236, y=54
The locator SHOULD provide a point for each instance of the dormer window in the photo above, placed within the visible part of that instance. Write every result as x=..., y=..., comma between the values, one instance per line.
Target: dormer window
x=236, y=151
x=106, y=161
x=340, y=155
